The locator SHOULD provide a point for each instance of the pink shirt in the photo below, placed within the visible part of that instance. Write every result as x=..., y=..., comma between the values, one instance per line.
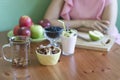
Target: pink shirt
x=87, y=9
x=83, y=9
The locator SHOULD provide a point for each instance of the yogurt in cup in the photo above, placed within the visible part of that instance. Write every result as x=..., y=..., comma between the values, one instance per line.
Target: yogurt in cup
x=68, y=41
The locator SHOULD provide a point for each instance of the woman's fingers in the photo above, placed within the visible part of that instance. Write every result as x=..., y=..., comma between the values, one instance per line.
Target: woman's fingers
x=97, y=27
x=83, y=29
x=101, y=26
x=104, y=26
x=105, y=22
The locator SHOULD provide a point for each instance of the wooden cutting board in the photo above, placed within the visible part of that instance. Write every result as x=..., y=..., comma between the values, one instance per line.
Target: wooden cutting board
x=105, y=44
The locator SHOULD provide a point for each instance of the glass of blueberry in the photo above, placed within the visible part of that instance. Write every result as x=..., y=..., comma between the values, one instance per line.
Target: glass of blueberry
x=53, y=33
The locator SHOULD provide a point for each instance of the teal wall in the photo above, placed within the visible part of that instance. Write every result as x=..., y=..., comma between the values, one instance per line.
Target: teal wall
x=118, y=19
x=11, y=10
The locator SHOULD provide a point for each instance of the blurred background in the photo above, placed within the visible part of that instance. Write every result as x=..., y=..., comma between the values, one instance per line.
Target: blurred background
x=11, y=10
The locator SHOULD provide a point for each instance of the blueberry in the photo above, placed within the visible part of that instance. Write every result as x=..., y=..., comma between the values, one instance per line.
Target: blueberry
x=53, y=31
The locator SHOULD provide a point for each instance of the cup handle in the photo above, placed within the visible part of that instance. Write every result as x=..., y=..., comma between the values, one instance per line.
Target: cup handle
x=4, y=57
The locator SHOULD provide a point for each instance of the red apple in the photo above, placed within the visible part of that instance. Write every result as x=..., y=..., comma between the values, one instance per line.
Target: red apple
x=24, y=31
x=15, y=30
x=44, y=23
x=25, y=21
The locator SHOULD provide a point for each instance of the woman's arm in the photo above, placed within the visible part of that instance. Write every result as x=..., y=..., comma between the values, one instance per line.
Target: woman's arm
x=110, y=12
x=53, y=13
x=108, y=19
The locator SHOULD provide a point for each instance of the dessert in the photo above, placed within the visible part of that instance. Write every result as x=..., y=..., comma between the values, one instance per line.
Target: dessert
x=52, y=34
x=47, y=50
x=48, y=55
x=69, y=33
x=68, y=41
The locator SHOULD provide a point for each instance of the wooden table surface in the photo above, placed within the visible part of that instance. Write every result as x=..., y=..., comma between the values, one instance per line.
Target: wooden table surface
x=83, y=65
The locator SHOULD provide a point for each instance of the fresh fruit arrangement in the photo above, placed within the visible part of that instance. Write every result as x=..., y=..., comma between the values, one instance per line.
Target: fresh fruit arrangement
x=23, y=28
x=95, y=35
x=26, y=27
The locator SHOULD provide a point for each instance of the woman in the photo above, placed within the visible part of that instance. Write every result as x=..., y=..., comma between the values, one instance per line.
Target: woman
x=85, y=15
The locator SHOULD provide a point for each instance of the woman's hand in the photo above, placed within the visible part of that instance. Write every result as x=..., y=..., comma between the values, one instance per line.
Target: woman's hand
x=101, y=26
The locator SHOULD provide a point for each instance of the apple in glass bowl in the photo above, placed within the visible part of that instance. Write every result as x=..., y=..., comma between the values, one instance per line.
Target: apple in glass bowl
x=22, y=31
x=25, y=21
x=15, y=30
x=36, y=31
x=45, y=23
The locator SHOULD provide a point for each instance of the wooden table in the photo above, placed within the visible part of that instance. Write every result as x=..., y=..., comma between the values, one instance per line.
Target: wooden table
x=83, y=65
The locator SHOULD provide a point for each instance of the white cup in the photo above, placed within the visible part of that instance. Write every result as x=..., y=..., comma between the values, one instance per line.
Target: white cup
x=68, y=44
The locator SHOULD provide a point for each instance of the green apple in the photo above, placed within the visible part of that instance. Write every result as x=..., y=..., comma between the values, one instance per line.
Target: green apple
x=95, y=35
x=36, y=31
